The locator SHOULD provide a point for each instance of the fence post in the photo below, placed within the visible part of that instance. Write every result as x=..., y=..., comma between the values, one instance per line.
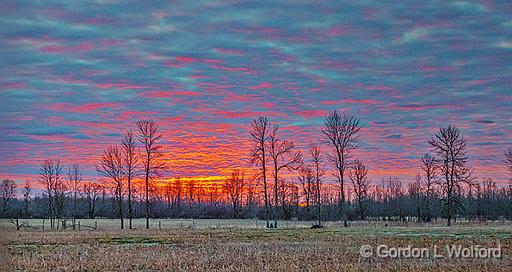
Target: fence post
x=160, y=225
x=43, y=224
x=78, y=225
x=96, y=225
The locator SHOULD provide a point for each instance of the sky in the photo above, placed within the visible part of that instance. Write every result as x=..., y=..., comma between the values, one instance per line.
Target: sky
x=77, y=75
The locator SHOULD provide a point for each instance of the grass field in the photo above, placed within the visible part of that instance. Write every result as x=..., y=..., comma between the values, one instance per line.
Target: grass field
x=213, y=245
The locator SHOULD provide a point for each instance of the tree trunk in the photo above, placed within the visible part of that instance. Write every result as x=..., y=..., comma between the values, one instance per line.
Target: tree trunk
x=147, y=196
x=130, y=211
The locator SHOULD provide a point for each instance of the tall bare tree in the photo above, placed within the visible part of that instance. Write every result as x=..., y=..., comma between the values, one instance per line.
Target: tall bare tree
x=358, y=174
x=74, y=180
x=27, y=190
x=341, y=132
x=234, y=187
x=508, y=160
x=111, y=166
x=260, y=129
x=59, y=192
x=428, y=165
x=7, y=192
x=283, y=156
x=315, y=153
x=51, y=177
x=450, y=148
x=149, y=137
x=131, y=168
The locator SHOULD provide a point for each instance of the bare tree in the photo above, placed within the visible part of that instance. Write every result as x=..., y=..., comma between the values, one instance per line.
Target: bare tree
x=131, y=169
x=508, y=160
x=59, y=192
x=428, y=165
x=111, y=166
x=178, y=191
x=7, y=192
x=46, y=177
x=27, y=190
x=288, y=195
x=74, y=180
x=358, y=174
x=489, y=192
x=260, y=128
x=449, y=146
x=283, y=156
x=149, y=137
x=234, y=187
x=168, y=193
x=307, y=180
x=341, y=132
x=191, y=187
x=415, y=193
x=315, y=153
x=394, y=194
x=91, y=191
x=50, y=176
x=251, y=198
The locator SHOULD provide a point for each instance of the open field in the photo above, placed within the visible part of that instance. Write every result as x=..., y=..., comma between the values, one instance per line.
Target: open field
x=249, y=249
x=170, y=224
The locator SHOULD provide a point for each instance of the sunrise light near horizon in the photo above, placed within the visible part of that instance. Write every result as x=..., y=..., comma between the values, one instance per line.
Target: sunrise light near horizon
x=74, y=80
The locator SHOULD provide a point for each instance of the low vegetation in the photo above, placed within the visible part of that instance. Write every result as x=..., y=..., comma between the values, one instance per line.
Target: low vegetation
x=241, y=248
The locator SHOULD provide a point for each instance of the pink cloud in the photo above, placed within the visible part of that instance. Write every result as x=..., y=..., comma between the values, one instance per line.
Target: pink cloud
x=13, y=85
x=211, y=61
x=83, y=108
x=133, y=114
x=229, y=51
x=186, y=59
x=379, y=88
x=268, y=105
x=234, y=97
x=169, y=94
x=234, y=69
x=419, y=107
x=361, y=101
x=351, y=101
x=338, y=30
x=121, y=86
x=329, y=102
x=311, y=113
x=56, y=49
x=264, y=85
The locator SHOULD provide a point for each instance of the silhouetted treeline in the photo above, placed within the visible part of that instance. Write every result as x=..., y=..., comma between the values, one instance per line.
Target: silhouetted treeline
x=323, y=182
x=389, y=200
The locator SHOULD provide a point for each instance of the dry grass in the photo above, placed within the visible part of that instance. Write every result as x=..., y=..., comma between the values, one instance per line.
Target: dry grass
x=329, y=249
